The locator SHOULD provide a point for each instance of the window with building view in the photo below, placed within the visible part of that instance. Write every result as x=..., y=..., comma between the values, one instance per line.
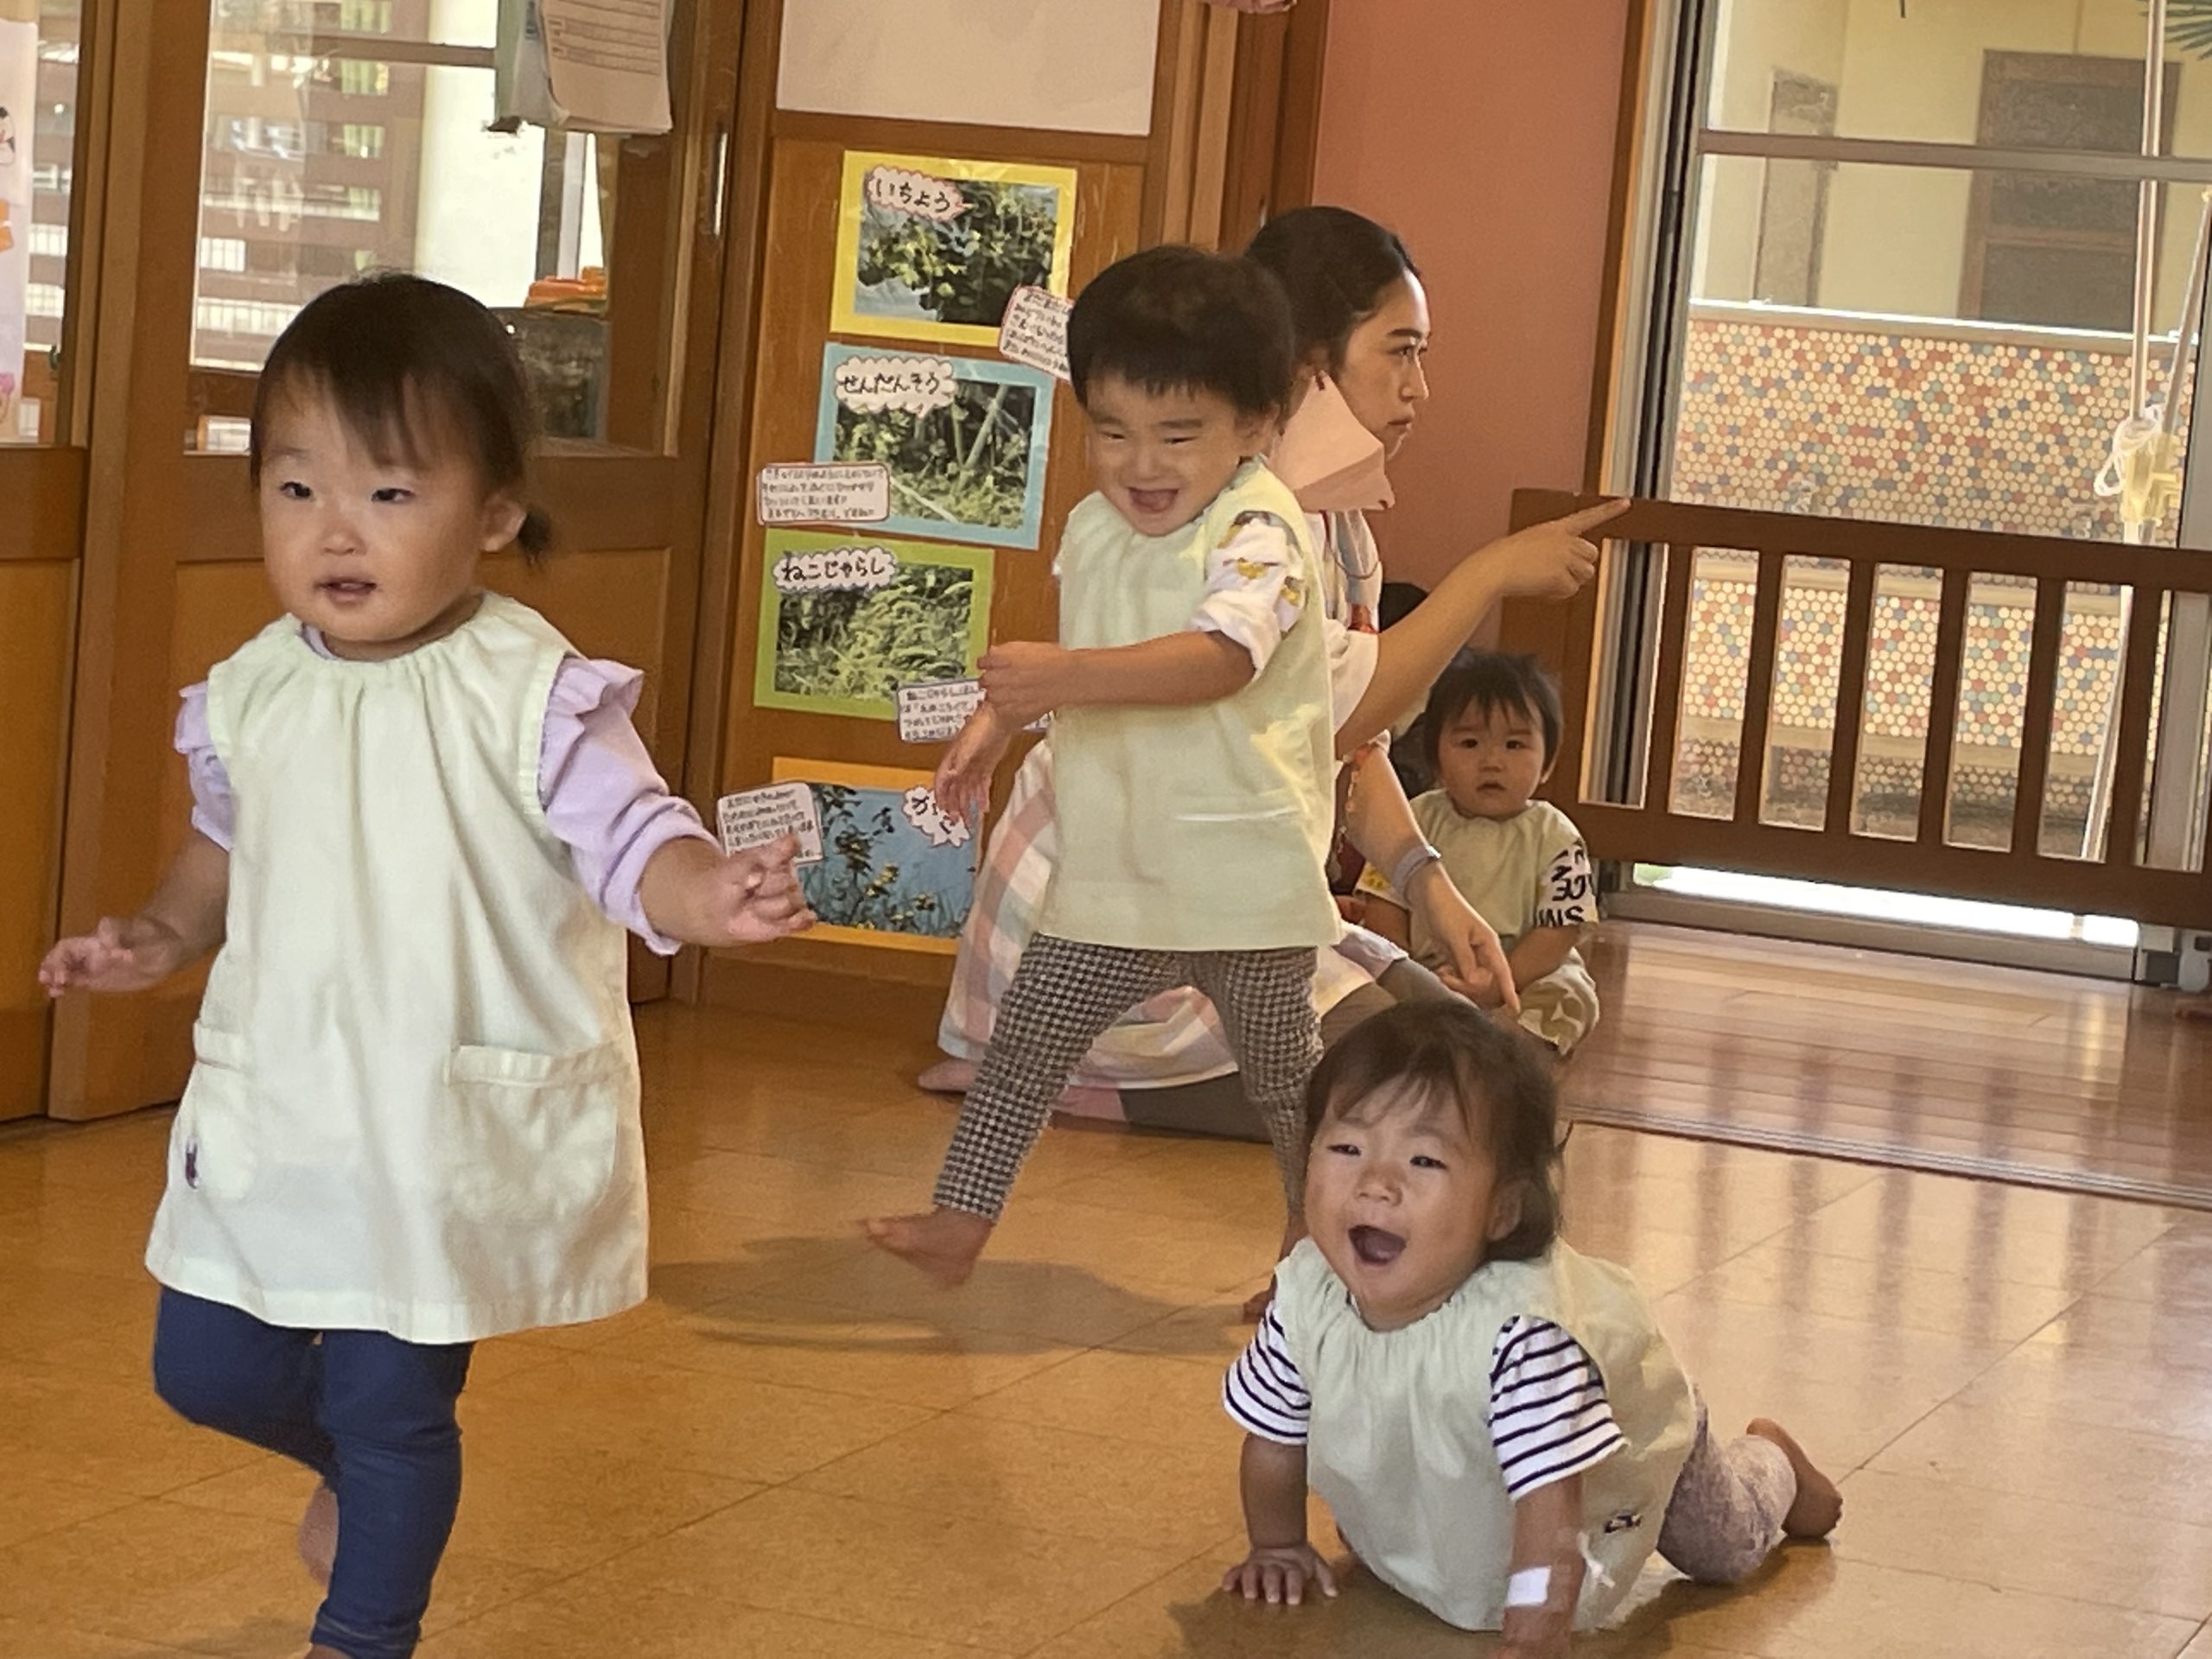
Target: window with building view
x=344, y=137
x=38, y=142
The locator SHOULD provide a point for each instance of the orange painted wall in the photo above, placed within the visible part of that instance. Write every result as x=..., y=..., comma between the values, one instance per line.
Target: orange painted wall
x=1482, y=131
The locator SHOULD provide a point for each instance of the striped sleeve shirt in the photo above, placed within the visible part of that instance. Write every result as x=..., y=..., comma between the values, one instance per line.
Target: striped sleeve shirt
x=1549, y=1417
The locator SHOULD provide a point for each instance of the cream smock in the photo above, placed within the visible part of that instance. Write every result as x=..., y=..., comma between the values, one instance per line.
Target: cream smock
x=1399, y=1440
x=1528, y=870
x=1204, y=826
x=415, y=1109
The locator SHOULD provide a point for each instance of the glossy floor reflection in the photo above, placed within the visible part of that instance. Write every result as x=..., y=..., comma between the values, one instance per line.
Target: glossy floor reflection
x=795, y=1450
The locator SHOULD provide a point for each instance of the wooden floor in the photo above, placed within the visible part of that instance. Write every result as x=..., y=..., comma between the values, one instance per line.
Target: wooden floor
x=794, y=1450
x=2083, y=1085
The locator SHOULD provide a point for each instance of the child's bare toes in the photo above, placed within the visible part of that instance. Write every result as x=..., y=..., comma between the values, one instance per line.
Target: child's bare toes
x=1820, y=1502
x=944, y=1243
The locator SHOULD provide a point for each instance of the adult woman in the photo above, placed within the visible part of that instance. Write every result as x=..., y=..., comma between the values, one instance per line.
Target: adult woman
x=1361, y=320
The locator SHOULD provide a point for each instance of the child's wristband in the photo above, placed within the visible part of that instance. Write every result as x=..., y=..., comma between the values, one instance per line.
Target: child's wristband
x=1419, y=859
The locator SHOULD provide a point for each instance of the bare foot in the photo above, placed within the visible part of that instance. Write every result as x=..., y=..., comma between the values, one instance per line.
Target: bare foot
x=944, y=1243
x=1819, y=1504
x=318, y=1538
x=948, y=1077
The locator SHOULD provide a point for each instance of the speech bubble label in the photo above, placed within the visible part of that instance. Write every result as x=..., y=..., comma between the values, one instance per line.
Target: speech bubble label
x=902, y=190
x=753, y=817
x=837, y=569
x=934, y=713
x=939, y=826
x=1034, y=331
x=871, y=383
x=839, y=493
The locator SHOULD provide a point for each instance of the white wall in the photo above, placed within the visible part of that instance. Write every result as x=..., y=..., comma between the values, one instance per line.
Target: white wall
x=1078, y=66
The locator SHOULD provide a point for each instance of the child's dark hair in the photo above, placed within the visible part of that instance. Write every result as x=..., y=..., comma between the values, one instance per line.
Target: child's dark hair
x=1490, y=682
x=1450, y=1056
x=1334, y=264
x=393, y=352
x=1177, y=319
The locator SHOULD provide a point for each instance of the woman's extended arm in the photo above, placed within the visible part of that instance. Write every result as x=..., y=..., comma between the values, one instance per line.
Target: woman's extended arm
x=1550, y=560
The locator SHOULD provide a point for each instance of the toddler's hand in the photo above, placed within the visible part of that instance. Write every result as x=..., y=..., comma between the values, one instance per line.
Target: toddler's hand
x=1027, y=680
x=1278, y=1572
x=754, y=896
x=120, y=955
x=1552, y=561
x=1479, y=970
x=963, y=783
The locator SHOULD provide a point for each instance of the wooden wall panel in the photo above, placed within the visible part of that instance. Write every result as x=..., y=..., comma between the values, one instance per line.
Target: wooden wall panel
x=805, y=176
x=38, y=600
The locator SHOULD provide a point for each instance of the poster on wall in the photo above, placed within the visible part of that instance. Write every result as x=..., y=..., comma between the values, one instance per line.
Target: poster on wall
x=897, y=870
x=18, y=90
x=847, y=622
x=930, y=249
x=966, y=439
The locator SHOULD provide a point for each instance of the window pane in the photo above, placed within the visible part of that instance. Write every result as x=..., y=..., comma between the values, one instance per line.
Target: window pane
x=324, y=161
x=1893, y=730
x=1716, y=647
x=1808, y=668
x=38, y=142
x=1992, y=711
x=1961, y=72
x=1919, y=344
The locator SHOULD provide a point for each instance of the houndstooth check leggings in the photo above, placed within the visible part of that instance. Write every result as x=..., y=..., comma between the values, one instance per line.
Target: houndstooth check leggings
x=1064, y=996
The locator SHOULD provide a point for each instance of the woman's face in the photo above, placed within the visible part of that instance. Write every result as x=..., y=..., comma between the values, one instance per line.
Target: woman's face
x=1382, y=378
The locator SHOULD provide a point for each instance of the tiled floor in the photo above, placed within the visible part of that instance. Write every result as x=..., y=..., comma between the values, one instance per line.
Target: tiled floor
x=794, y=1450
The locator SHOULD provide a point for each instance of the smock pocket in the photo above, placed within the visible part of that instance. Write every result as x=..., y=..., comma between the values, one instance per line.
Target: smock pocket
x=531, y=1136
x=1236, y=838
x=214, y=1147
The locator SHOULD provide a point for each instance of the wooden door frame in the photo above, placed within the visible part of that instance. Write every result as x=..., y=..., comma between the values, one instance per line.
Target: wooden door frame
x=141, y=347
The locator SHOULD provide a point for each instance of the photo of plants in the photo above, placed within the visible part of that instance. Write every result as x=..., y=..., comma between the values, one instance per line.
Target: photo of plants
x=962, y=269
x=934, y=273
x=881, y=880
x=847, y=650
x=973, y=468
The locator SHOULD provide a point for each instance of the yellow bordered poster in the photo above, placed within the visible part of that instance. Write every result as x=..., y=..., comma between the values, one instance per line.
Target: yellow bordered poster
x=933, y=249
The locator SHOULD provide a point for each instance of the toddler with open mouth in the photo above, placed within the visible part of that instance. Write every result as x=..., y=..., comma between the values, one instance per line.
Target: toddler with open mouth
x=1496, y=1420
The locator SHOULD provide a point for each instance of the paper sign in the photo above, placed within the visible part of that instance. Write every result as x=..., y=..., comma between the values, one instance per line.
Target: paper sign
x=755, y=817
x=874, y=383
x=842, y=492
x=939, y=826
x=902, y=190
x=837, y=569
x=935, y=714
x=1035, y=331
x=591, y=65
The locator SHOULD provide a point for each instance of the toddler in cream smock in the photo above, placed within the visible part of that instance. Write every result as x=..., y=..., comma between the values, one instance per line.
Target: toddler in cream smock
x=421, y=824
x=1495, y=1421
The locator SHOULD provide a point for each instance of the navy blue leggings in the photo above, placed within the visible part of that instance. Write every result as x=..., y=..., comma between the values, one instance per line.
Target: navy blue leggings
x=370, y=1414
